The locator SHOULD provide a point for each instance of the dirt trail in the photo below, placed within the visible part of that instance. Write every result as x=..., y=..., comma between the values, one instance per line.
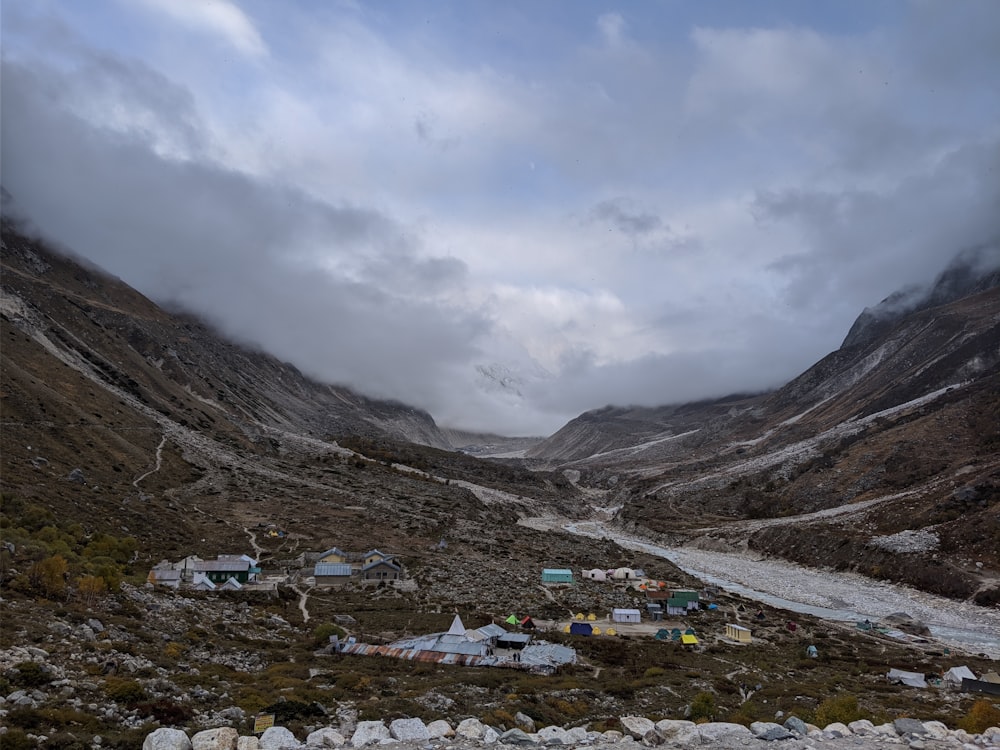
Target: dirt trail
x=159, y=460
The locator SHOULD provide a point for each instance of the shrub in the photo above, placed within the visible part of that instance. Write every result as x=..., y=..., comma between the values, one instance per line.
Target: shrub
x=703, y=707
x=322, y=633
x=842, y=708
x=983, y=715
x=127, y=692
x=29, y=674
x=165, y=711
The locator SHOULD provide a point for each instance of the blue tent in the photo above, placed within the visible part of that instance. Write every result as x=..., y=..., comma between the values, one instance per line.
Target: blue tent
x=580, y=628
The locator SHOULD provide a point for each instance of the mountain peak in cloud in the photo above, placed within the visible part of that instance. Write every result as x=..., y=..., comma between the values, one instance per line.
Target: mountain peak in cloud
x=972, y=270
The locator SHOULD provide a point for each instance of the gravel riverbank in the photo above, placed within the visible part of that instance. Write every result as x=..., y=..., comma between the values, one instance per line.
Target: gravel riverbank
x=831, y=595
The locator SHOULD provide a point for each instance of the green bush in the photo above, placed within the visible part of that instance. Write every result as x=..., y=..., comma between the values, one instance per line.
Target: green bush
x=703, y=707
x=29, y=674
x=322, y=633
x=842, y=708
x=127, y=692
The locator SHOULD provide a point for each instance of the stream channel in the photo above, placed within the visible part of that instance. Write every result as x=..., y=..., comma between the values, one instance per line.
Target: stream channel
x=846, y=597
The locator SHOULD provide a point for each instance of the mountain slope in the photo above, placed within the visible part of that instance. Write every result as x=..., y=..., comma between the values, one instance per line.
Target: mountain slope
x=897, y=431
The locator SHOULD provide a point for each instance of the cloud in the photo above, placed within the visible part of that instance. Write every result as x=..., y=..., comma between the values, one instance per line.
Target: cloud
x=217, y=17
x=592, y=211
x=325, y=286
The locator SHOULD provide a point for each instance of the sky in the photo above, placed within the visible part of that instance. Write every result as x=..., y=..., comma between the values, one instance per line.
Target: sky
x=510, y=213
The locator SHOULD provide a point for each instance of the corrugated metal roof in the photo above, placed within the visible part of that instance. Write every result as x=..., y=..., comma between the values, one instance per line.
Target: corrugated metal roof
x=223, y=566
x=492, y=630
x=332, y=569
x=439, y=657
x=555, y=571
x=377, y=563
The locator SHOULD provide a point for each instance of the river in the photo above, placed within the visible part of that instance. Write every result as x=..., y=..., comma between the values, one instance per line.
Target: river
x=827, y=594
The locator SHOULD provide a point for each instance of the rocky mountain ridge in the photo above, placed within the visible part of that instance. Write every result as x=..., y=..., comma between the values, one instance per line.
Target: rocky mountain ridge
x=907, y=412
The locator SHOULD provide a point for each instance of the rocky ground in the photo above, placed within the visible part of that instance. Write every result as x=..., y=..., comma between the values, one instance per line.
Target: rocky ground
x=636, y=732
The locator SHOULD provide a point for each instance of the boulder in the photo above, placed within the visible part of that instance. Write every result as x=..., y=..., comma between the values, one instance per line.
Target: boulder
x=440, y=729
x=408, y=730
x=678, y=732
x=577, y=736
x=471, y=729
x=937, y=730
x=165, y=738
x=769, y=731
x=637, y=727
x=325, y=737
x=836, y=729
x=861, y=726
x=368, y=732
x=524, y=722
x=795, y=724
x=248, y=743
x=278, y=738
x=516, y=737
x=908, y=726
x=717, y=730
x=222, y=738
x=552, y=736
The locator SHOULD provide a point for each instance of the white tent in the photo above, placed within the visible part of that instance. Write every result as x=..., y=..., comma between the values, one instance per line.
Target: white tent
x=595, y=575
x=913, y=679
x=457, y=628
x=624, y=574
x=955, y=675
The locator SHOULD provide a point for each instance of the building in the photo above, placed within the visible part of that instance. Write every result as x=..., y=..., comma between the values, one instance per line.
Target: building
x=557, y=575
x=737, y=633
x=625, y=615
x=228, y=566
x=331, y=574
x=380, y=570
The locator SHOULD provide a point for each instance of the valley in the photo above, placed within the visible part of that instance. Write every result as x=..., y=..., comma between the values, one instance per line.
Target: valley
x=130, y=435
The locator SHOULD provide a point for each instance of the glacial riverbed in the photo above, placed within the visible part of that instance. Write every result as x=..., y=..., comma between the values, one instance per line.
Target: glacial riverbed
x=828, y=594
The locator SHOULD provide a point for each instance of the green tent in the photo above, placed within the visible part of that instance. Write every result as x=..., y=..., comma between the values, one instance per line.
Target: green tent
x=512, y=620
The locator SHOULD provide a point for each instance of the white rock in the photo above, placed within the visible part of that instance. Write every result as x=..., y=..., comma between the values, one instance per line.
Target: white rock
x=325, y=737
x=471, y=729
x=165, y=738
x=490, y=736
x=885, y=730
x=222, y=738
x=937, y=730
x=552, y=735
x=835, y=729
x=715, y=730
x=577, y=736
x=677, y=731
x=278, y=738
x=637, y=726
x=248, y=743
x=440, y=729
x=612, y=735
x=861, y=726
x=409, y=730
x=369, y=732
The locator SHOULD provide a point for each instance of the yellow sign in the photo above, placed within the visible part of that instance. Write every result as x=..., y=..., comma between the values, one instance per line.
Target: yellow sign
x=262, y=722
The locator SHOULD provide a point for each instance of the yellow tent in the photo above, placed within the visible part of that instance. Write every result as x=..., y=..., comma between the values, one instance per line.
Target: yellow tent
x=689, y=640
x=578, y=616
x=591, y=617
x=596, y=630
x=566, y=629
x=611, y=631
